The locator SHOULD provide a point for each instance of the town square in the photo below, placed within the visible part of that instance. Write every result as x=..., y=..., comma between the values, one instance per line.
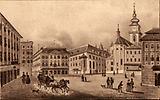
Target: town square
x=80, y=50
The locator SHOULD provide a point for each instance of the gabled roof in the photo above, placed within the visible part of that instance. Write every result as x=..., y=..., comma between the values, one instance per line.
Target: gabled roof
x=123, y=41
x=152, y=35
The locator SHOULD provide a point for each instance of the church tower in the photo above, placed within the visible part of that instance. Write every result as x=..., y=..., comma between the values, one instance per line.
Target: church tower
x=135, y=28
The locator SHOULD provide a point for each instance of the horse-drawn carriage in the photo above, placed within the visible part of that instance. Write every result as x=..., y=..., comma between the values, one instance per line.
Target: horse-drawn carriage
x=48, y=83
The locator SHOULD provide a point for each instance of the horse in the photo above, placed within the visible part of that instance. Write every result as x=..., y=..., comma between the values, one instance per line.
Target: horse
x=62, y=85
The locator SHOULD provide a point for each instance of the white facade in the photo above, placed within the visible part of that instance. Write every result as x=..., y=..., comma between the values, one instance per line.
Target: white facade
x=9, y=51
x=95, y=61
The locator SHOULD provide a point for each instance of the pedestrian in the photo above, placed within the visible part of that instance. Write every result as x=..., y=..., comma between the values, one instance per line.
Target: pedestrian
x=82, y=78
x=85, y=79
x=108, y=82
x=128, y=88
x=126, y=75
x=23, y=78
x=120, y=87
x=132, y=84
x=114, y=73
x=112, y=81
x=28, y=80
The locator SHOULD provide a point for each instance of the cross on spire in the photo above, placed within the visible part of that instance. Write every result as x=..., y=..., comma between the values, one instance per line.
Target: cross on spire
x=118, y=31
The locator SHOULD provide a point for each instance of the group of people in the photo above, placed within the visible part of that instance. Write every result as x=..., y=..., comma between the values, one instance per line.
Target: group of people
x=110, y=82
x=129, y=88
x=25, y=78
x=130, y=85
x=84, y=78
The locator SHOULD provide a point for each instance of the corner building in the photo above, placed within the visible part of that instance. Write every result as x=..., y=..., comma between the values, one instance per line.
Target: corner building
x=151, y=63
x=9, y=51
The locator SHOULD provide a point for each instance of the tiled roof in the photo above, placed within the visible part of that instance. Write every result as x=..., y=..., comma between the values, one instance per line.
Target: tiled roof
x=86, y=48
x=54, y=50
x=152, y=35
x=123, y=41
x=153, y=31
x=134, y=47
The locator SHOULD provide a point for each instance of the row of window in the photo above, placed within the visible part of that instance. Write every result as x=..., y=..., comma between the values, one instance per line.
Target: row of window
x=55, y=57
x=75, y=64
x=56, y=72
x=9, y=44
x=118, y=49
x=95, y=58
x=133, y=52
x=27, y=61
x=10, y=57
x=133, y=60
x=152, y=58
x=28, y=53
x=94, y=64
x=28, y=46
x=152, y=46
x=55, y=64
x=9, y=32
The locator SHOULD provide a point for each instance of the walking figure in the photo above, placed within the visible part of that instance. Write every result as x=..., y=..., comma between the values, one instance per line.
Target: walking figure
x=82, y=78
x=132, y=84
x=23, y=78
x=108, y=82
x=128, y=88
x=112, y=81
x=114, y=73
x=85, y=79
x=120, y=87
x=126, y=75
x=28, y=80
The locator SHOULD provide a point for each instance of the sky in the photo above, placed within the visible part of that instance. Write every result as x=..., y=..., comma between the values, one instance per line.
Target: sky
x=74, y=23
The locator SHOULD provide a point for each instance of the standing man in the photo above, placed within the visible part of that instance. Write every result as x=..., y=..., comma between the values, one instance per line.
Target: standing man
x=28, y=80
x=24, y=78
x=112, y=81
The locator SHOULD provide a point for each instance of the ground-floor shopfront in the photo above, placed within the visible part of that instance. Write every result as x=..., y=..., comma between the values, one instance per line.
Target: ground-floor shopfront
x=55, y=71
x=8, y=73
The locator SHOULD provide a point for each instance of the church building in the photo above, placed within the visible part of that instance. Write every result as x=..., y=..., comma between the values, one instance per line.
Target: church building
x=126, y=54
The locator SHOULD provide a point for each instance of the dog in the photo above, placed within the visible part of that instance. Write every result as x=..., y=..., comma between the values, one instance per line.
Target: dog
x=35, y=91
x=103, y=86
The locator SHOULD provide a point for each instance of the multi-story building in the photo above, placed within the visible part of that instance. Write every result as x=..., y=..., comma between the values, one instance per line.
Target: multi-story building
x=151, y=62
x=126, y=55
x=26, y=57
x=95, y=60
x=9, y=51
x=51, y=61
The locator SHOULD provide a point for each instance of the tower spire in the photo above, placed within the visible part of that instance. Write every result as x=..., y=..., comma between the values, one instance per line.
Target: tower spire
x=118, y=31
x=134, y=10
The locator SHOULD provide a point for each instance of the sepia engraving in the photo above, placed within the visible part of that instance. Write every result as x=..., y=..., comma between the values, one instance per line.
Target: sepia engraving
x=85, y=49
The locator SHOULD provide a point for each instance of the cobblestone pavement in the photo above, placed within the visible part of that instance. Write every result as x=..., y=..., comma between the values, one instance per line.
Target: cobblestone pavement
x=91, y=89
